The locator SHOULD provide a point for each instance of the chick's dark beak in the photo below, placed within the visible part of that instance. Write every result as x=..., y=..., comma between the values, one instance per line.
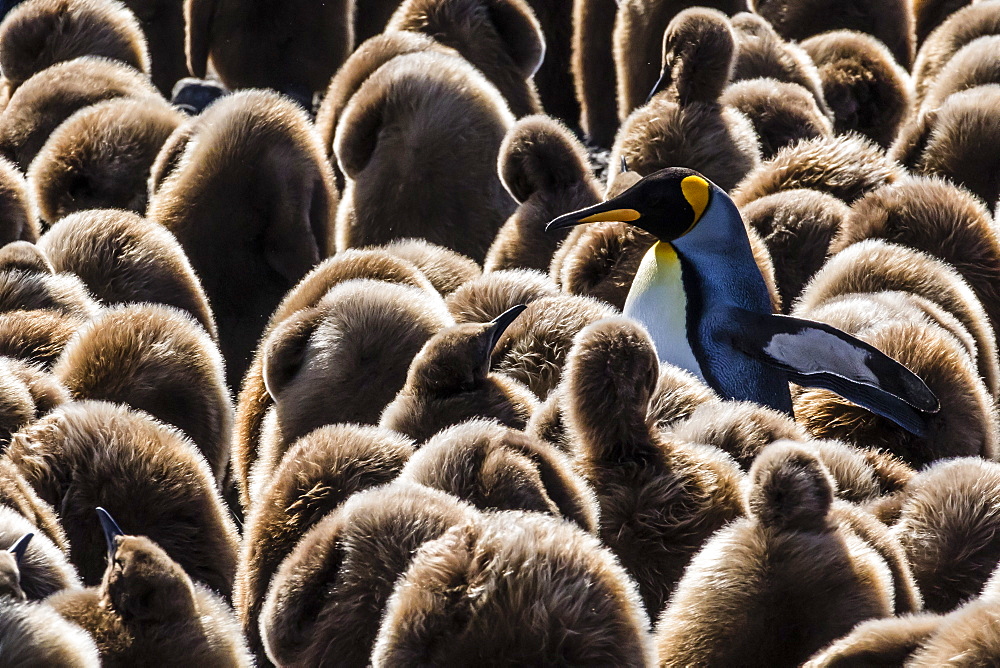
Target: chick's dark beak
x=20, y=547
x=111, y=530
x=500, y=324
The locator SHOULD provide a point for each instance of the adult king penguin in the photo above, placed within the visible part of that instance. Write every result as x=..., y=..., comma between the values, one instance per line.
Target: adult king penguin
x=701, y=296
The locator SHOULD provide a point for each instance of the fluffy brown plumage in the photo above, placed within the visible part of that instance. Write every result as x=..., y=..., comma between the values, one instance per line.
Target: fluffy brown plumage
x=889, y=21
x=929, y=14
x=501, y=38
x=781, y=113
x=446, y=269
x=17, y=210
x=48, y=98
x=100, y=157
x=963, y=26
x=155, y=359
x=497, y=468
x=251, y=201
x=33, y=634
x=846, y=166
x=866, y=90
x=291, y=46
x=546, y=170
x=18, y=496
x=325, y=601
x=123, y=258
x=26, y=393
x=684, y=124
x=43, y=568
x=797, y=226
x=40, y=33
x=971, y=66
x=430, y=114
x=147, y=609
x=659, y=499
x=449, y=381
x=777, y=586
x=35, y=285
x=554, y=78
x=878, y=642
x=514, y=588
x=84, y=455
x=320, y=471
x=162, y=22
x=593, y=66
x=486, y=297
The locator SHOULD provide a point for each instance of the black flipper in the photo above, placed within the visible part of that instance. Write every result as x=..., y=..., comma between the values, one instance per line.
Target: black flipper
x=814, y=354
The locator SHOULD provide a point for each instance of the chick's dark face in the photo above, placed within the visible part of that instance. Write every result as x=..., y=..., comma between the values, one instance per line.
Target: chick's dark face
x=667, y=204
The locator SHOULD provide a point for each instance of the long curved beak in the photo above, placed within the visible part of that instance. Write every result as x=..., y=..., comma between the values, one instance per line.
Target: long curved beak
x=500, y=323
x=20, y=547
x=605, y=212
x=661, y=83
x=110, y=528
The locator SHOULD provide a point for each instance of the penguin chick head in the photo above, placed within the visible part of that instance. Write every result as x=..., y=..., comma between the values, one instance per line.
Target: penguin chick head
x=457, y=359
x=668, y=204
x=10, y=571
x=790, y=490
x=141, y=582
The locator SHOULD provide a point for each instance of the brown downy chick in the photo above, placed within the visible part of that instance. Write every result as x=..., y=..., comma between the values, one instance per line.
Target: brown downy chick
x=90, y=453
x=40, y=567
x=867, y=91
x=497, y=468
x=486, y=297
x=554, y=78
x=966, y=24
x=863, y=476
x=777, y=586
x=36, y=336
x=26, y=393
x=19, y=497
x=782, y=113
x=449, y=381
x=445, y=268
x=878, y=266
x=797, y=226
x=252, y=203
x=683, y=122
x=973, y=65
x=100, y=157
x=546, y=170
x=938, y=218
x=18, y=214
x=147, y=610
x=162, y=22
x=639, y=35
x=33, y=634
x=533, y=350
x=41, y=33
x=418, y=145
x=318, y=473
x=593, y=66
x=929, y=14
x=155, y=359
x=501, y=38
x=959, y=141
x=889, y=21
x=514, y=588
x=659, y=499
x=48, y=98
x=28, y=282
x=123, y=258
x=292, y=47
x=845, y=166
x=325, y=602
x=878, y=642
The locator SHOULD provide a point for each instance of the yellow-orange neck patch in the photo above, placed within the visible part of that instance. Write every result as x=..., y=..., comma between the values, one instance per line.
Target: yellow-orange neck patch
x=697, y=192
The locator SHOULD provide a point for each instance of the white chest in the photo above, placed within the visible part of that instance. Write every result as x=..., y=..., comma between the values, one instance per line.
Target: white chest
x=657, y=300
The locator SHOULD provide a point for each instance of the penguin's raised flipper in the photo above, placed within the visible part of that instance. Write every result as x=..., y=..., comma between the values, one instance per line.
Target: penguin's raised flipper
x=814, y=354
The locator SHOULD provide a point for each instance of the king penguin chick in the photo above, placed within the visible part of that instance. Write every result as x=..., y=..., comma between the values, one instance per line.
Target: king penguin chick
x=486, y=297
x=963, y=26
x=155, y=359
x=36, y=336
x=89, y=453
x=773, y=588
x=162, y=21
x=48, y=98
x=254, y=181
x=929, y=14
x=147, y=611
x=123, y=258
x=733, y=341
x=28, y=282
x=938, y=218
x=445, y=268
x=514, y=588
x=43, y=568
x=500, y=38
x=33, y=634
x=291, y=47
x=41, y=33
x=797, y=226
x=593, y=65
x=867, y=91
x=971, y=66
x=430, y=114
x=17, y=209
x=26, y=393
x=683, y=122
x=449, y=381
x=318, y=473
x=19, y=498
x=889, y=641
x=100, y=157
x=659, y=499
x=546, y=170
x=498, y=468
x=845, y=166
x=325, y=602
